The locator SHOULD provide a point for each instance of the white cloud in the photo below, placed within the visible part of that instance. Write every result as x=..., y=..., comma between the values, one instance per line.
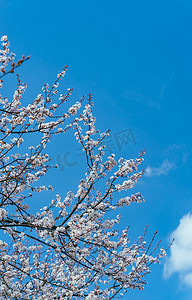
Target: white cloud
x=187, y=279
x=180, y=259
x=163, y=169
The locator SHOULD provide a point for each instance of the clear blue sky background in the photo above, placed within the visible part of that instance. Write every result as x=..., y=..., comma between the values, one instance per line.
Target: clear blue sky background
x=135, y=58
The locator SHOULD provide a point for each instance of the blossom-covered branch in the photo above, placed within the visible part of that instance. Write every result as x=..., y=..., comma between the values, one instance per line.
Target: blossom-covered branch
x=71, y=248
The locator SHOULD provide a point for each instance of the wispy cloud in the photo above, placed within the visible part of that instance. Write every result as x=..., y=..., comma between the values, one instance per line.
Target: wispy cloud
x=163, y=169
x=180, y=259
x=143, y=97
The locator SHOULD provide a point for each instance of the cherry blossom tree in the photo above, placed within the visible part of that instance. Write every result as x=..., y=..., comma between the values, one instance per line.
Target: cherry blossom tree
x=71, y=248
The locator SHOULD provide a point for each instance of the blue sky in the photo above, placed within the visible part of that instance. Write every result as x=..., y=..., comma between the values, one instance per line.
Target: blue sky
x=135, y=58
